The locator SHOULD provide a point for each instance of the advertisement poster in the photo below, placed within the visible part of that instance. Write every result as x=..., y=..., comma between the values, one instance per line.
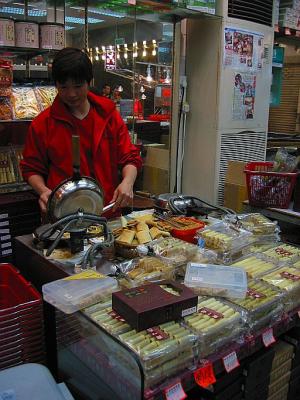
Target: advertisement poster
x=243, y=50
x=110, y=60
x=244, y=96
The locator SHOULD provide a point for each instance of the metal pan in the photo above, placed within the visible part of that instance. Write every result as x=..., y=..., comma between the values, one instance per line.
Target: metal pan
x=78, y=192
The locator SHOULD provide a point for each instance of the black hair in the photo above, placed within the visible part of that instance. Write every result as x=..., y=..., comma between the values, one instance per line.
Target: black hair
x=106, y=84
x=72, y=63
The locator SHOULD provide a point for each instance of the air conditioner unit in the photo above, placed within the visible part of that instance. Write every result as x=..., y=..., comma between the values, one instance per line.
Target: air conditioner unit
x=225, y=123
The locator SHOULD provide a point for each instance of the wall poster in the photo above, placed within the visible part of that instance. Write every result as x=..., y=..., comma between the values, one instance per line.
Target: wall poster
x=243, y=50
x=243, y=96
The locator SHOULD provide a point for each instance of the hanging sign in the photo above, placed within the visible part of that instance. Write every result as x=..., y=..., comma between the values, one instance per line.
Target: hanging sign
x=204, y=376
x=175, y=392
x=231, y=362
x=110, y=59
x=268, y=337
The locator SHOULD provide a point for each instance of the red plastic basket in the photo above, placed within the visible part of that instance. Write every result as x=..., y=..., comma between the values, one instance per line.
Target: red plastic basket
x=267, y=188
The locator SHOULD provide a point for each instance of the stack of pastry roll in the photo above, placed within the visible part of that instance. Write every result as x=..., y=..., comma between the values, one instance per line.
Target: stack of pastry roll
x=145, y=270
x=163, y=349
x=287, y=279
x=109, y=320
x=175, y=251
x=282, y=254
x=254, y=266
x=136, y=232
x=7, y=172
x=258, y=224
x=262, y=304
x=216, y=324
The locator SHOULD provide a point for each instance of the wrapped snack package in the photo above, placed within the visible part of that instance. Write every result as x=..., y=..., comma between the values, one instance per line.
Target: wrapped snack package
x=174, y=251
x=287, y=279
x=262, y=304
x=45, y=95
x=254, y=266
x=161, y=343
x=7, y=172
x=6, y=77
x=5, y=109
x=108, y=319
x=25, y=105
x=259, y=225
x=216, y=323
x=139, y=271
x=282, y=254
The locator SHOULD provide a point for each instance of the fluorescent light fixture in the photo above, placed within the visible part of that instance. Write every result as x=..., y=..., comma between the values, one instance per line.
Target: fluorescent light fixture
x=20, y=11
x=68, y=27
x=76, y=20
x=106, y=13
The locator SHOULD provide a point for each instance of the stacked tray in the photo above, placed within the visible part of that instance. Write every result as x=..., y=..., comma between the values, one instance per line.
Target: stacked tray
x=21, y=320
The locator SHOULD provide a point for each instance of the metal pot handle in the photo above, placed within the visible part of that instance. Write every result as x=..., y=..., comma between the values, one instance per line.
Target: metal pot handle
x=76, y=157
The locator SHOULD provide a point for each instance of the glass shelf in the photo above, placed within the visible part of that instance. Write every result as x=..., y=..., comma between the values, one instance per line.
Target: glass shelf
x=13, y=52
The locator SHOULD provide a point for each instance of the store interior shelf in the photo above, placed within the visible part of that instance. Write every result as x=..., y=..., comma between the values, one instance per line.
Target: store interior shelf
x=13, y=52
x=287, y=35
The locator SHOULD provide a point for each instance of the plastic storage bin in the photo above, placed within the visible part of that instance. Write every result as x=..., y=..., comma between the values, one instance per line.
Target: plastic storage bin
x=78, y=291
x=216, y=280
x=21, y=320
x=31, y=382
x=267, y=188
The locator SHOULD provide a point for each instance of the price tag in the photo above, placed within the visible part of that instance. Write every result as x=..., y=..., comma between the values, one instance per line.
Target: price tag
x=175, y=392
x=231, y=362
x=204, y=376
x=268, y=337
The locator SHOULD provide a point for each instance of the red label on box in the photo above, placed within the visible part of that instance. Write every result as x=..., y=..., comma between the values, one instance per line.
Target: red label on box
x=175, y=392
x=268, y=337
x=211, y=313
x=290, y=276
x=116, y=316
x=254, y=294
x=205, y=376
x=230, y=362
x=283, y=252
x=158, y=333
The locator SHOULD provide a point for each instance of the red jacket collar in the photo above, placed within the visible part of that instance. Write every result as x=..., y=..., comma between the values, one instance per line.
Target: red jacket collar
x=103, y=105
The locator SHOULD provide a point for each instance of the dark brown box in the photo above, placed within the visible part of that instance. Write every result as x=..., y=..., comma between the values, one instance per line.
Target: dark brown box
x=150, y=305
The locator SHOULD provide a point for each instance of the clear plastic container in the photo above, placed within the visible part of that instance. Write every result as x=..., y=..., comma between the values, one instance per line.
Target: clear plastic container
x=78, y=291
x=216, y=280
x=160, y=344
x=287, y=279
x=225, y=237
x=262, y=304
x=254, y=266
x=216, y=323
x=258, y=224
x=282, y=254
x=140, y=271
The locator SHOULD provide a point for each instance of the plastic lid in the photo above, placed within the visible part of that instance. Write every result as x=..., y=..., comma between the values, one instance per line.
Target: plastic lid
x=78, y=291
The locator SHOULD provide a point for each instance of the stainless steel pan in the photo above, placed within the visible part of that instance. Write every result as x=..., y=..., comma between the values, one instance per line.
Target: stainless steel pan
x=76, y=193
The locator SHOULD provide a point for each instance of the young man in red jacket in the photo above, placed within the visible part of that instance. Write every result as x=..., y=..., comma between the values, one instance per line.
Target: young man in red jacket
x=105, y=146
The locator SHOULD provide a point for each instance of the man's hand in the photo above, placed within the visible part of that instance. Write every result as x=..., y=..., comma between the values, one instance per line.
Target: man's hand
x=43, y=200
x=123, y=195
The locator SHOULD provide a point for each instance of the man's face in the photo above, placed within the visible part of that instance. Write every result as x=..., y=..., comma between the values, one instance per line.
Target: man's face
x=73, y=94
x=106, y=90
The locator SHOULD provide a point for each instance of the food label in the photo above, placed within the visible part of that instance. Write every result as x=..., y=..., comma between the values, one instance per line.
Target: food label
x=188, y=311
x=230, y=362
x=116, y=316
x=205, y=376
x=175, y=392
x=289, y=276
x=268, y=337
x=211, y=313
x=282, y=252
x=86, y=275
x=254, y=294
x=157, y=333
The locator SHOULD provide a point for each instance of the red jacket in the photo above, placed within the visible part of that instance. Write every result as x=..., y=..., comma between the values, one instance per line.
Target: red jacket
x=48, y=148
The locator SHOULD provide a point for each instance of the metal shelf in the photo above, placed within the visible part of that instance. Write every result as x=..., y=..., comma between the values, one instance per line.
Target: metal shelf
x=13, y=52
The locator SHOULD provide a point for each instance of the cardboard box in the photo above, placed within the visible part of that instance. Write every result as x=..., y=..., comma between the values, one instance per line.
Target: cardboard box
x=156, y=171
x=235, y=190
x=147, y=306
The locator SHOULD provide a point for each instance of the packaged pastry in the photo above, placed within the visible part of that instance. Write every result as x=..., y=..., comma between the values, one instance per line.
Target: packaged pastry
x=5, y=109
x=7, y=172
x=262, y=304
x=254, y=266
x=282, y=254
x=6, y=78
x=174, y=251
x=25, y=105
x=139, y=271
x=216, y=323
x=258, y=224
x=110, y=321
x=45, y=95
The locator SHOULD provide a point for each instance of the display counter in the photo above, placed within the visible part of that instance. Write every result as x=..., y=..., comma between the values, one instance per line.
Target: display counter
x=94, y=362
